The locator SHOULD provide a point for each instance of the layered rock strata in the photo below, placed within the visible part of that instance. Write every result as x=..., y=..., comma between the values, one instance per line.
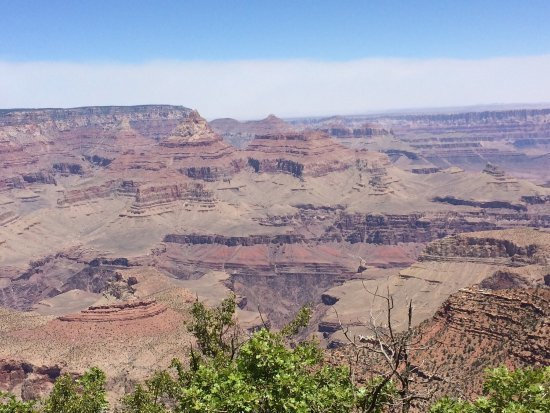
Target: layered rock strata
x=117, y=312
x=472, y=330
x=487, y=328
x=303, y=153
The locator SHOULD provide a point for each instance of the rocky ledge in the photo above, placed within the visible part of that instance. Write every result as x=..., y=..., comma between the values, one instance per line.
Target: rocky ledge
x=159, y=199
x=532, y=249
x=128, y=311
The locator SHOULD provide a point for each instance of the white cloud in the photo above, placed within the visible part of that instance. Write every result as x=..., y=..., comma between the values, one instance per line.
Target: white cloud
x=253, y=89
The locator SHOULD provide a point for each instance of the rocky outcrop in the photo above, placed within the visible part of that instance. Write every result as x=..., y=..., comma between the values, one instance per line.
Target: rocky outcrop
x=128, y=311
x=425, y=171
x=477, y=246
x=392, y=229
x=26, y=380
x=423, y=227
x=195, y=139
x=502, y=280
x=474, y=329
x=159, y=199
x=41, y=177
x=536, y=199
x=365, y=131
x=68, y=168
x=303, y=153
x=56, y=274
x=89, y=193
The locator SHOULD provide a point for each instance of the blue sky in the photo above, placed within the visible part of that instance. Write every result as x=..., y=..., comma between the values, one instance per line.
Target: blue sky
x=136, y=31
x=67, y=43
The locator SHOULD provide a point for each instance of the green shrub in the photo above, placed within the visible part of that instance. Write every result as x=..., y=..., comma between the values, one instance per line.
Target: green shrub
x=85, y=394
x=519, y=391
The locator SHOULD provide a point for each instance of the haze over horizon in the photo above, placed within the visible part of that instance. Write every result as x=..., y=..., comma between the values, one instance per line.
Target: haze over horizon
x=287, y=58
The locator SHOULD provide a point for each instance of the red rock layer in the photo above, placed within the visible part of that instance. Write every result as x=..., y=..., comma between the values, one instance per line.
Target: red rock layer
x=303, y=153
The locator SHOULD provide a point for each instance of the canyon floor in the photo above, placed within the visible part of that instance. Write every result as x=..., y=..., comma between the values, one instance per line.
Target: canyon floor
x=113, y=220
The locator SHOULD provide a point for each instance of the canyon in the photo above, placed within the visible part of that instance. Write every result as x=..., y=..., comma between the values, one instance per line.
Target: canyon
x=113, y=220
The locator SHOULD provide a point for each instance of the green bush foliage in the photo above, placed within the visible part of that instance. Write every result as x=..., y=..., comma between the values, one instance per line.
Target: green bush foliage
x=85, y=394
x=264, y=375
x=9, y=404
x=519, y=391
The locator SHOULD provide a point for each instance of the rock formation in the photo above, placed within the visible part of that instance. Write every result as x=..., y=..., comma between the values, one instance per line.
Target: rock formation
x=26, y=380
x=240, y=134
x=486, y=328
x=116, y=312
x=302, y=153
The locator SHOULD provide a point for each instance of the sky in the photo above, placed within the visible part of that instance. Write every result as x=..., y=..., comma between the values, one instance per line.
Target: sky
x=246, y=59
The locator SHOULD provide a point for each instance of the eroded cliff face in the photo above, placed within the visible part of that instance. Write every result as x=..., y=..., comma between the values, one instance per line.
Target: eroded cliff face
x=60, y=140
x=472, y=330
x=37, y=145
x=56, y=274
x=478, y=327
x=303, y=153
x=478, y=247
x=392, y=229
x=156, y=200
x=277, y=274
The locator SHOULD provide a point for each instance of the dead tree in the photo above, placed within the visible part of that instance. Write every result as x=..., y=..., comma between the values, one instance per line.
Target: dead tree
x=392, y=351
